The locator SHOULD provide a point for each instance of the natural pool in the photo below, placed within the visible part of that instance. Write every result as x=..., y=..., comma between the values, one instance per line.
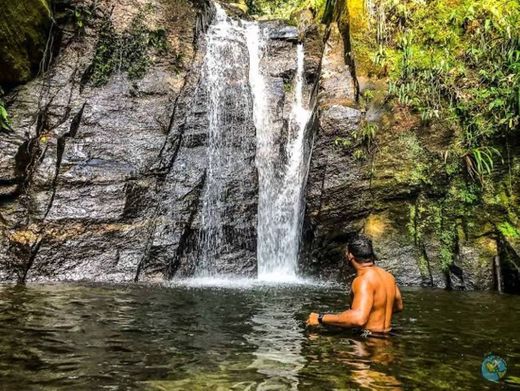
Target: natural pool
x=125, y=337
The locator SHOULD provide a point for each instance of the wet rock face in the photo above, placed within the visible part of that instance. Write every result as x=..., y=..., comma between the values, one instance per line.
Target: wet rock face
x=206, y=212
x=81, y=169
x=106, y=183
x=337, y=188
x=379, y=190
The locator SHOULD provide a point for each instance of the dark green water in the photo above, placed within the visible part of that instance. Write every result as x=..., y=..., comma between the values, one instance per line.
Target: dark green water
x=81, y=337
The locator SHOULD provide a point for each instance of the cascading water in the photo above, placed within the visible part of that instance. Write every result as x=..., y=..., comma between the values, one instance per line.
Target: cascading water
x=280, y=198
x=230, y=149
x=280, y=201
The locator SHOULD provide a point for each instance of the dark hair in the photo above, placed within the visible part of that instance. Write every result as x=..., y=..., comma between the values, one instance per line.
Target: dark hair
x=360, y=246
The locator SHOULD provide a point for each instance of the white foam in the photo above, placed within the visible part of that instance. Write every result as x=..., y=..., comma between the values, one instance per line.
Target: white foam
x=234, y=282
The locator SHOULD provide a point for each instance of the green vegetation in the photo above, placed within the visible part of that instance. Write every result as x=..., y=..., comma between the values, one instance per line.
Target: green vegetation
x=363, y=138
x=288, y=86
x=508, y=230
x=4, y=117
x=285, y=9
x=24, y=29
x=441, y=219
x=455, y=62
x=5, y=123
x=129, y=51
x=82, y=14
x=453, y=73
x=366, y=133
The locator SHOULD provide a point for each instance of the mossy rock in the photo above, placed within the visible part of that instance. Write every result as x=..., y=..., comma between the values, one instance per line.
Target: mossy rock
x=24, y=27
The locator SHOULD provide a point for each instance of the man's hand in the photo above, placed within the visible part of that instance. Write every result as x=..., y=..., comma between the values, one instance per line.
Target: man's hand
x=313, y=319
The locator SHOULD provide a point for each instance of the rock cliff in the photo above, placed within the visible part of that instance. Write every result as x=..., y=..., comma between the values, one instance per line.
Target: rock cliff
x=378, y=168
x=104, y=171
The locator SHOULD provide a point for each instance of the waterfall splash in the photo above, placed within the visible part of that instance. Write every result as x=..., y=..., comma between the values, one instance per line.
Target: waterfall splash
x=280, y=203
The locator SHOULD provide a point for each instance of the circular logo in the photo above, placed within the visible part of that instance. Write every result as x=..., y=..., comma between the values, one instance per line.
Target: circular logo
x=493, y=367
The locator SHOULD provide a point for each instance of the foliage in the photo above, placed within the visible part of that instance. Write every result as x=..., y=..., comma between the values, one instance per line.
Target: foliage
x=509, y=230
x=366, y=133
x=440, y=219
x=5, y=123
x=343, y=142
x=287, y=86
x=104, y=62
x=416, y=161
x=81, y=15
x=4, y=117
x=480, y=161
x=285, y=9
x=455, y=62
x=362, y=138
x=129, y=51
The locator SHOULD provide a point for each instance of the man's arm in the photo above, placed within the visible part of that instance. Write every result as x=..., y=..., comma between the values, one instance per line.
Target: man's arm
x=357, y=315
x=398, y=301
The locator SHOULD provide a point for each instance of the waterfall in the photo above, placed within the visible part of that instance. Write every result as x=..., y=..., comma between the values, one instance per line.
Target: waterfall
x=230, y=142
x=238, y=90
x=280, y=199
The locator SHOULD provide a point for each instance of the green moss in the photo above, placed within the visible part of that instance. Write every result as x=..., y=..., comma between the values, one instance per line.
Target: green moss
x=431, y=220
x=129, y=51
x=105, y=57
x=24, y=27
x=418, y=170
x=508, y=230
x=422, y=262
x=285, y=9
x=448, y=250
x=455, y=63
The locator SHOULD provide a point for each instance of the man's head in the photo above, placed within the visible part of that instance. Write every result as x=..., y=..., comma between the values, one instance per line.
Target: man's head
x=359, y=250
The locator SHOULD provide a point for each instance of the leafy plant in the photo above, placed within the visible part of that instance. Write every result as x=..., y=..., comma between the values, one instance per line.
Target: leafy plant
x=287, y=86
x=359, y=154
x=343, y=142
x=509, y=230
x=480, y=161
x=366, y=133
x=456, y=63
x=104, y=62
x=5, y=123
x=81, y=16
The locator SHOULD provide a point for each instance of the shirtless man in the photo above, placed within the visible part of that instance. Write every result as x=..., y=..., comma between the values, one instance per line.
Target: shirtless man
x=375, y=295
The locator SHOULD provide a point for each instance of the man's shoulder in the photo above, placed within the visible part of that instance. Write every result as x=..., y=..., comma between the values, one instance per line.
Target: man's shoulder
x=375, y=277
x=366, y=278
x=386, y=273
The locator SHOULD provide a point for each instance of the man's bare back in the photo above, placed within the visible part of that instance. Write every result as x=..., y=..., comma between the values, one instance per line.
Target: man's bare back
x=386, y=297
x=375, y=295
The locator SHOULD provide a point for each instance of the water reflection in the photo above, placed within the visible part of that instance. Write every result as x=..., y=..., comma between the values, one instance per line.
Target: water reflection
x=371, y=354
x=64, y=337
x=277, y=335
x=363, y=362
